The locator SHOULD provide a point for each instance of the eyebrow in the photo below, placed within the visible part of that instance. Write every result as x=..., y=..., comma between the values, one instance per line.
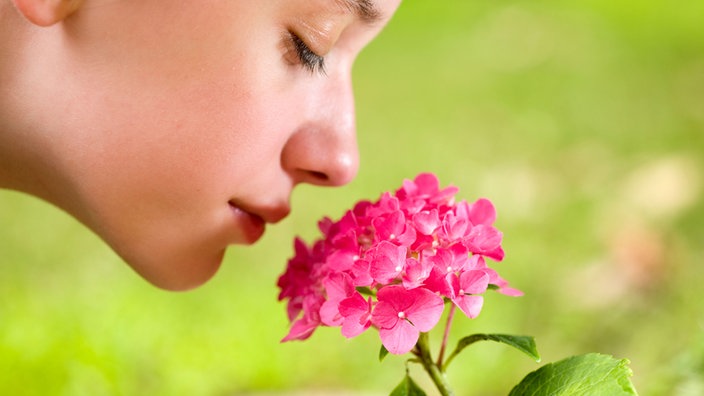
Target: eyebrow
x=365, y=10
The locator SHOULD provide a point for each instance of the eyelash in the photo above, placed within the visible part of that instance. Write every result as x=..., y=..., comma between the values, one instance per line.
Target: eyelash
x=308, y=59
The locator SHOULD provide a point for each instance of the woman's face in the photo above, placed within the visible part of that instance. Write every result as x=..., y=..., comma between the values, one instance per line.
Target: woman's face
x=185, y=125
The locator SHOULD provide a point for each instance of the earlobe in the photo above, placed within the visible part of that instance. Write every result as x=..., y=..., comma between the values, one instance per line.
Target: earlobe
x=46, y=12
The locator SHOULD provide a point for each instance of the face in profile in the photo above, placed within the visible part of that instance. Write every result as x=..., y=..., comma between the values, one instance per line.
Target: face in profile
x=182, y=128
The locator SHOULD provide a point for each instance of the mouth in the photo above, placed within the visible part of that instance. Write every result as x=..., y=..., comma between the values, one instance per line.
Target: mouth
x=252, y=221
x=251, y=225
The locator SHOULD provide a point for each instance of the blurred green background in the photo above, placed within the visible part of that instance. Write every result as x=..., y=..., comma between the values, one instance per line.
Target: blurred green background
x=582, y=121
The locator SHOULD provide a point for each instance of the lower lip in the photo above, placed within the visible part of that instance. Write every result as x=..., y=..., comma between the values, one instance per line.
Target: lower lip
x=251, y=227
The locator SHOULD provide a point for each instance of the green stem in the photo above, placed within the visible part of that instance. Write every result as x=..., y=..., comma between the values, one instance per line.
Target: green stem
x=446, y=336
x=431, y=367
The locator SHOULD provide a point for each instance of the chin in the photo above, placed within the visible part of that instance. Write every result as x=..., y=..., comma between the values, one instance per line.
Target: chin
x=177, y=274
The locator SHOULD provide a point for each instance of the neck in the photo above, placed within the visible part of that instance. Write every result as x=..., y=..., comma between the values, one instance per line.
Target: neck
x=8, y=151
x=24, y=162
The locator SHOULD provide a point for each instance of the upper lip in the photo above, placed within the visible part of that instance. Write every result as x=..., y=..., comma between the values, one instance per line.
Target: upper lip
x=269, y=213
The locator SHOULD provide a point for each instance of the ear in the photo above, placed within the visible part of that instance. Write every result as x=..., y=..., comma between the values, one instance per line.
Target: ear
x=46, y=12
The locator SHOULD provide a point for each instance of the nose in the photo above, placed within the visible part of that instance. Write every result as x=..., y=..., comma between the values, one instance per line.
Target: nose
x=323, y=149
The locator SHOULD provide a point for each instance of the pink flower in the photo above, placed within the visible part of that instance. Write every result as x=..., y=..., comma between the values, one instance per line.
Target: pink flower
x=464, y=289
x=360, y=273
x=338, y=286
x=416, y=272
x=451, y=259
x=402, y=314
x=304, y=327
x=295, y=283
x=393, y=227
x=427, y=221
x=357, y=313
x=425, y=187
x=478, y=262
x=482, y=211
x=502, y=284
x=407, y=250
x=486, y=241
x=387, y=262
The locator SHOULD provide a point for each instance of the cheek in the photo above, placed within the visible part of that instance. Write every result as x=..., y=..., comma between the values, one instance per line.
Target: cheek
x=197, y=99
x=220, y=140
x=159, y=155
x=192, y=148
x=157, y=175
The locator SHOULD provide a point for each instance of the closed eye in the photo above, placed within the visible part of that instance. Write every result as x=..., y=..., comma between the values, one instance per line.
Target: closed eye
x=307, y=58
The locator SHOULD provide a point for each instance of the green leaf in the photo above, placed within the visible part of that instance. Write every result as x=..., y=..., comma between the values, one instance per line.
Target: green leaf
x=407, y=387
x=383, y=352
x=365, y=291
x=525, y=344
x=592, y=374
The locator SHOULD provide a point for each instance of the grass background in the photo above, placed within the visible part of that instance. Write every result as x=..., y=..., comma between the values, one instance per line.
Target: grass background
x=582, y=121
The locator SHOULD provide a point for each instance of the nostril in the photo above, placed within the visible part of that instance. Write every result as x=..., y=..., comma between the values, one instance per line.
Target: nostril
x=320, y=176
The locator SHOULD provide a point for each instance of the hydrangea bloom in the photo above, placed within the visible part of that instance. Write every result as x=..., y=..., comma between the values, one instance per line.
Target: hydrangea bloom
x=392, y=264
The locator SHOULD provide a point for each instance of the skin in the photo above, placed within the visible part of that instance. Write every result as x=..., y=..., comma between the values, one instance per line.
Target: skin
x=175, y=129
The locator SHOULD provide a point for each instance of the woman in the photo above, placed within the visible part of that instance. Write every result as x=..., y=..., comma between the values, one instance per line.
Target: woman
x=174, y=129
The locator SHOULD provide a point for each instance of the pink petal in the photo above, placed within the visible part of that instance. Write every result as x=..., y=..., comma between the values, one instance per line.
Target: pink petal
x=422, y=242
x=353, y=305
x=360, y=273
x=482, y=212
x=390, y=226
x=340, y=260
x=294, y=307
x=460, y=256
x=357, y=315
x=442, y=260
x=347, y=223
x=427, y=183
x=426, y=221
x=470, y=305
x=509, y=291
x=387, y=204
x=383, y=270
x=360, y=209
x=325, y=225
x=399, y=339
x=497, y=280
x=416, y=273
x=395, y=295
x=412, y=205
x=454, y=227
x=425, y=310
x=387, y=262
x=301, y=330
x=385, y=315
x=476, y=262
x=437, y=283
x=330, y=314
x=482, y=239
x=453, y=281
x=496, y=254
x=352, y=328
x=407, y=237
x=338, y=286
x=474, y=282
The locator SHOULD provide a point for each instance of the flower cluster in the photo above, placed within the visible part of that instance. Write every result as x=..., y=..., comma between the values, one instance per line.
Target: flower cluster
x=392, y=264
